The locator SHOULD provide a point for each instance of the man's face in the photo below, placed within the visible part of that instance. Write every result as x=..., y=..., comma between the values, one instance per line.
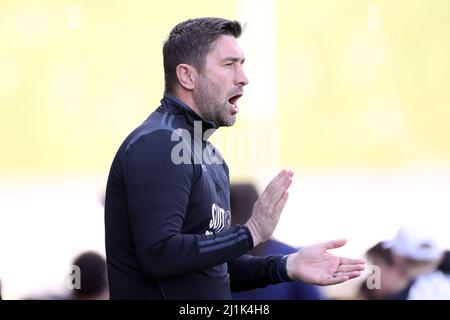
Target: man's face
x=221, y=81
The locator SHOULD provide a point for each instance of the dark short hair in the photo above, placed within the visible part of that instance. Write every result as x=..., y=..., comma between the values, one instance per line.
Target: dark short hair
x=190, y=41
x=379, y=250
x=93, y=274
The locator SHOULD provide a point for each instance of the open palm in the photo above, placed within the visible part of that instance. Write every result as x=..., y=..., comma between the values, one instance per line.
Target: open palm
x=313, y=264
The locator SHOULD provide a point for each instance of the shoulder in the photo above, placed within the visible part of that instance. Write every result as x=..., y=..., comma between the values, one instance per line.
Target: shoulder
x=147, y=139
x=153, y=131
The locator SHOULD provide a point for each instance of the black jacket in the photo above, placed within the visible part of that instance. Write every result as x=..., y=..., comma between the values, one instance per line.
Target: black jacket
x=167, y=224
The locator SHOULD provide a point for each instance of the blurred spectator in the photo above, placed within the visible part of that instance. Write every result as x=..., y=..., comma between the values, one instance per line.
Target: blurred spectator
x=92, y=281
x=412, y=266
x=242, y=198
x=94, y=284
x=392, y=279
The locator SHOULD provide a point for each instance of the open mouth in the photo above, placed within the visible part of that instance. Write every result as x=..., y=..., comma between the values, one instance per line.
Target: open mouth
x=233, y=101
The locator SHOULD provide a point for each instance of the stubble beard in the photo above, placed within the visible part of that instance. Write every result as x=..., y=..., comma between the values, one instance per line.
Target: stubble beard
x=207, y=100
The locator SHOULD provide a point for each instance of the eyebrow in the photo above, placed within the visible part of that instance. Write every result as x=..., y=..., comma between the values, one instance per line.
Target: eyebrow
x=235, y=59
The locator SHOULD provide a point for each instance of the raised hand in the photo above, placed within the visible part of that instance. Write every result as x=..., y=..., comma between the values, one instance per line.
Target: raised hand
x=267, y=209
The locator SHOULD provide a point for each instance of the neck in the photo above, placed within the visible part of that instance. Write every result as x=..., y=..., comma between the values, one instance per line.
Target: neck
x=186, y=97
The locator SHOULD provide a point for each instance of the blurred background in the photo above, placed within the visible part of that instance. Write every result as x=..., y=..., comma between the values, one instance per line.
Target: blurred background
x=353, y=96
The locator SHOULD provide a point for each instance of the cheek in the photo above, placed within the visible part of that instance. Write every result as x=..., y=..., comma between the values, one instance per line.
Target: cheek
x=221, y=90
x=223, y=79
x=218, y=84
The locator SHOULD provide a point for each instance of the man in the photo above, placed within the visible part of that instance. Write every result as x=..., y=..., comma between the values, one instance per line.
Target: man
x=167, y=211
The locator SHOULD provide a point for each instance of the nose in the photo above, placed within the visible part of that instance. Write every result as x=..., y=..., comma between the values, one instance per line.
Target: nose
x=241, y=77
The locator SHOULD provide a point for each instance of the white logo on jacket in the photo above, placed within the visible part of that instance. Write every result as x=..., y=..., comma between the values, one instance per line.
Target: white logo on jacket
x=220, y=219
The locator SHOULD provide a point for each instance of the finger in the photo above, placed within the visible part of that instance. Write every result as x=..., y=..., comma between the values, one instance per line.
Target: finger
x=281, y=190
x=333, y=244
x=350, y=267
x=274, y=191
x=339, y=277
x=280, y=185
x=351, y=275
x=352, y=261
x=334, y=280
x=280, y=204
x=275, y=181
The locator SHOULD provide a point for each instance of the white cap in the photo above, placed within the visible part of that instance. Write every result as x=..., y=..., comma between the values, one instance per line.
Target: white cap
x=413, y=244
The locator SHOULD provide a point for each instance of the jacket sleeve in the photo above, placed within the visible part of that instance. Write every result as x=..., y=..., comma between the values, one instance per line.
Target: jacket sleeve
x=248, y=272
x=158, y=193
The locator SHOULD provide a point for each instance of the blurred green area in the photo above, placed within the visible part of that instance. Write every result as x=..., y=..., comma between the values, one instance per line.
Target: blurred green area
x=359, y=83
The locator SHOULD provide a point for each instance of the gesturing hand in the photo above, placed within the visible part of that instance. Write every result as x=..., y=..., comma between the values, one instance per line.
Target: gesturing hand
x=267, y=209
x=313, y=264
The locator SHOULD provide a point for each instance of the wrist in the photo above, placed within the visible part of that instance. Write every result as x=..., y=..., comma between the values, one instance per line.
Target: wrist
x=283, y=268
x=252, y=228
x=289, y=266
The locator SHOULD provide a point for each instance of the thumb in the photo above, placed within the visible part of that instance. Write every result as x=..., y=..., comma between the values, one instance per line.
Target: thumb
x=333, y=244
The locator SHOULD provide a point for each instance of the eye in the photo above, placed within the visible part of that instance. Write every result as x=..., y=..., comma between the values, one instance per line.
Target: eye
x=230, y=64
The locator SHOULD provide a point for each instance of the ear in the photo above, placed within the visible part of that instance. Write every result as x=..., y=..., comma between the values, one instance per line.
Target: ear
x=186, y=75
